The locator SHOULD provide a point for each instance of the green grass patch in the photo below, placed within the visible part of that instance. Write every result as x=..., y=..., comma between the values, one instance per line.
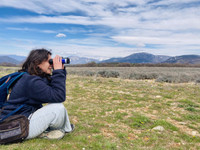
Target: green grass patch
x=138, y=121
x=192, y=117
x=165, y=124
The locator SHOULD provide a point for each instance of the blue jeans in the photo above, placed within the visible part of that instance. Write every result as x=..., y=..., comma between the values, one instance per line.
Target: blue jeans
x=53, y=116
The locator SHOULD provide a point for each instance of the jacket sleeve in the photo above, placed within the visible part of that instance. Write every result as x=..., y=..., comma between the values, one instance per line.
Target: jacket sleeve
x=55, y=92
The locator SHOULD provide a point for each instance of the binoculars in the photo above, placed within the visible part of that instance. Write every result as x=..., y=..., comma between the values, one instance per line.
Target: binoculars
x=65, y=60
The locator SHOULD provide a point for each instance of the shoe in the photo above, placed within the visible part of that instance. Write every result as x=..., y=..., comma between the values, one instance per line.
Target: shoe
x=73, y=127
x=53, y=135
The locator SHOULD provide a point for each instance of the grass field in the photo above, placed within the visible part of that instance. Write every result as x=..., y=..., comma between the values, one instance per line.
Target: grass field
x=116, y=113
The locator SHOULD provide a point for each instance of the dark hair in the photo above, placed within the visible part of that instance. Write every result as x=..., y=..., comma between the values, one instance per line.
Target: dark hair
x=35, y=57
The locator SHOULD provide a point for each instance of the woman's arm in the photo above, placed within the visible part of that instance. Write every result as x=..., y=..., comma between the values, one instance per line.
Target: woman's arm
x=39, y=90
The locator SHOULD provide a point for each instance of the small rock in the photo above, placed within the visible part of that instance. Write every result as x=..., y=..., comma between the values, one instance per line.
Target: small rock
x=158, y=96
x=159, y=128
x=194, y=133
x=182, y=123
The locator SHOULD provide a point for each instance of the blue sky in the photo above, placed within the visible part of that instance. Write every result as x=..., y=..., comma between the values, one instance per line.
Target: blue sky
x=100, y=29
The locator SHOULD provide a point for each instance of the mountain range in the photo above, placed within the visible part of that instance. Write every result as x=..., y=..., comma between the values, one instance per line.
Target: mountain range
x=17, y=60
x=142, y=58
x=139, y=58
x=133, y=58
x=184, y=59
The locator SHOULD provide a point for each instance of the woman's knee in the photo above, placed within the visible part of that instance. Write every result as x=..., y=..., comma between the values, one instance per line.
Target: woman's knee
x=57, y=108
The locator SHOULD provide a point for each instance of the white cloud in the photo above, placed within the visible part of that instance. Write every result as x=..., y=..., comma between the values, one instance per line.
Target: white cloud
x=60, y=35
x=143, y=17
x=31, y=30
x=62, y=6
x=171, y=25
x=133, y=40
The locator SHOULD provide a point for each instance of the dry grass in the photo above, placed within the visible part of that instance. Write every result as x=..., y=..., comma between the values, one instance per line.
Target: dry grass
x=161, y=74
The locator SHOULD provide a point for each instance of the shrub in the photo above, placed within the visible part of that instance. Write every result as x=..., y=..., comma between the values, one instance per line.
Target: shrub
x=142, y=76
x=108, y=74
x=197, y=80
x=167, y=78
x=89, y=73
x=184, y=78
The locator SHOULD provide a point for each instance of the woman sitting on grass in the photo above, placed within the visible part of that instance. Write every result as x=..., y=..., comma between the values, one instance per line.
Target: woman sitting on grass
x=39, y=86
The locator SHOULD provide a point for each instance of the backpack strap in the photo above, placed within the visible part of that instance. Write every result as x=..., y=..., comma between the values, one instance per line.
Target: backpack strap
x=13, y=112
x=5, y=83
x=14, y=79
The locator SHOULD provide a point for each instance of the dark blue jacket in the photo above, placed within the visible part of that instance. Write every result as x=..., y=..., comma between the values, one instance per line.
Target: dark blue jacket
x=33, y=91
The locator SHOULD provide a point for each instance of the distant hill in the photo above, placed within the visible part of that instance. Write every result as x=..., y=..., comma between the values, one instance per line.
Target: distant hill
x=184, y=59
x=139, y=58
x=12, y=59
x=7, y=59
x=16, y=60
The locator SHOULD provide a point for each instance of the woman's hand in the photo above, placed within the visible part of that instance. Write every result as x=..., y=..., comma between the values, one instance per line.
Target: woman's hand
x=57, y=63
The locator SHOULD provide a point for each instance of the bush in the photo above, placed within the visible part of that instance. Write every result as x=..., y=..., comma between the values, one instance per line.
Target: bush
x=197, y=80
x=174, y=78
x=142, y=76
x=167, y=78
x=108, y=74
x=184, y=78
x=89, y=73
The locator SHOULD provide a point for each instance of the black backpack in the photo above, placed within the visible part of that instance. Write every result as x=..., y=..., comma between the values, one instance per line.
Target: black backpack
x=13, y=128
